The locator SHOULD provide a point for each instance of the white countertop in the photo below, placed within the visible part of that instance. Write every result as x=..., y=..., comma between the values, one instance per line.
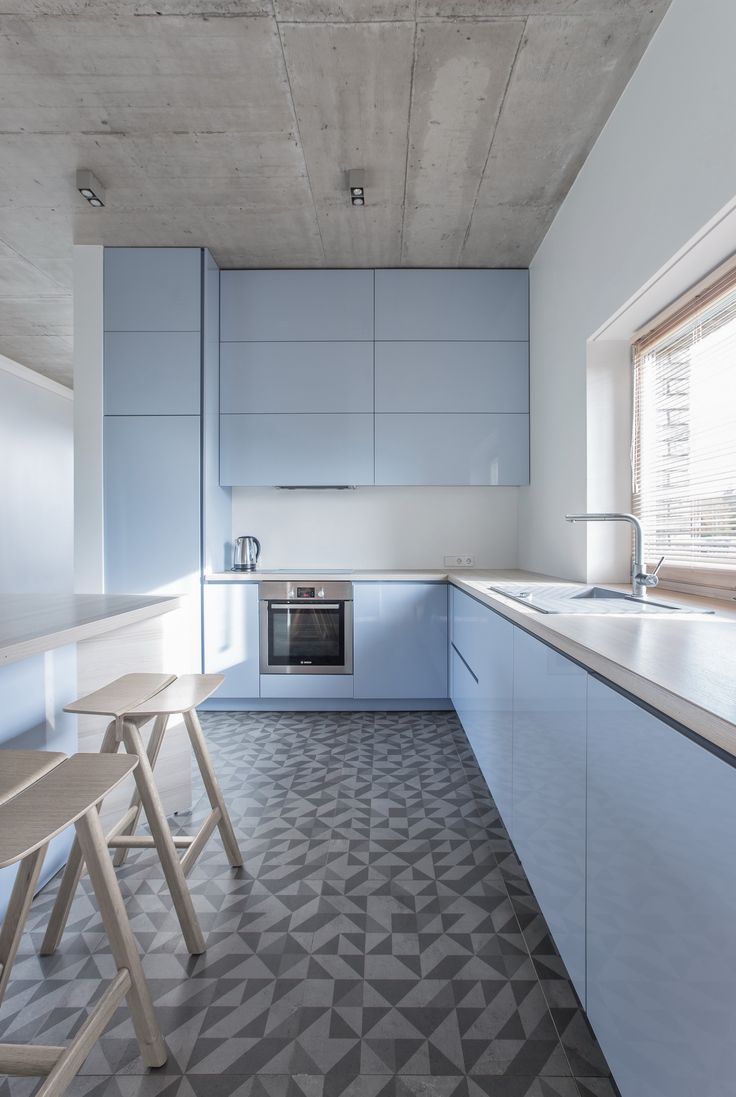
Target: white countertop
x=32, y=623
x=683, y=665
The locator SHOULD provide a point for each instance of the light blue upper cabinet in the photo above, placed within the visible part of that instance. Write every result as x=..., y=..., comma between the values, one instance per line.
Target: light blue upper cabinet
x=452, y=376
x=661, y=903
x=549, y=774
x=483, y=641
x=283, y=305
x=312, y=449
x=152, y=515
x=152, y=289
x=462, y=449
x=400, y=632
x=452, y=304
x=231, y=637
x=297, y=377
x=152, y=373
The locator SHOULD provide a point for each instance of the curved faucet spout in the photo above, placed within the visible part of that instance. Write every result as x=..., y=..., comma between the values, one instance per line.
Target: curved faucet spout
x=640, y=579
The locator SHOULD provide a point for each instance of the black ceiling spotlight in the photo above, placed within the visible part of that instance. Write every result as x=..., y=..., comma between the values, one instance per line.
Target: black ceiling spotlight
x=90, y=187
x=357, y=189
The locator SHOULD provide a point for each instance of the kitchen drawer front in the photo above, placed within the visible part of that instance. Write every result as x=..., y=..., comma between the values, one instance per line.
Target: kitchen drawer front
x=549, y=790
x=400, y=640
x=470, y=627
x=461, y=449
x=452, y=377
x=152, y=373
x=231, y=637
x=263, y=450
x=152, y=289
x=296, y=687
x=661, y=903
x=452, y=304
x=296, y=377
x=274, y=305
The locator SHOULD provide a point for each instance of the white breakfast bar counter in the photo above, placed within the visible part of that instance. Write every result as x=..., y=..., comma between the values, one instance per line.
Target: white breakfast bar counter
x=47, y=643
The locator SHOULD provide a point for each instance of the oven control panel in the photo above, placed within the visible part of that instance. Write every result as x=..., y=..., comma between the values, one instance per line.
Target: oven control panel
x=308, y=593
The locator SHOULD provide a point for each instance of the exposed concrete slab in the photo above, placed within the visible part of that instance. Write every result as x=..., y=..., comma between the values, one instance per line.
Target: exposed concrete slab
x=489, y=9
x=343, y=11
x=188, y=118
x=351, y=85
x=548, y=124
x=460, y=76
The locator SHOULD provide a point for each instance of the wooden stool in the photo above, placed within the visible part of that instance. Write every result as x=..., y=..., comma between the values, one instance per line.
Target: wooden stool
x=133, y=701
x=40, y=795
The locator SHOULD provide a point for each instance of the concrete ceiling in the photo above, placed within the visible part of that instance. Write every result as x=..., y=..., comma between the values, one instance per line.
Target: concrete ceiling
x=231, y=124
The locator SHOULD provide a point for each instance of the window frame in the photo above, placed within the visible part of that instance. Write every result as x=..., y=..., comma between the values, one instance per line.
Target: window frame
x=702, y=579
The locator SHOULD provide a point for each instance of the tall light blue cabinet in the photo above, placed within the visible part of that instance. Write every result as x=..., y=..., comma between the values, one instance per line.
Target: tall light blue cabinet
x=661, y=903
x=152, y=440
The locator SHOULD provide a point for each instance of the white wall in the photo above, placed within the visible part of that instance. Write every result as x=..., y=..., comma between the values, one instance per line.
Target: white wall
x=663, y=168
x=378, y=527
x=36, y=483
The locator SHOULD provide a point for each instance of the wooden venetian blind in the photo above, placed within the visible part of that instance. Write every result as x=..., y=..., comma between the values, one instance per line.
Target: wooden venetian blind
x=684, y=442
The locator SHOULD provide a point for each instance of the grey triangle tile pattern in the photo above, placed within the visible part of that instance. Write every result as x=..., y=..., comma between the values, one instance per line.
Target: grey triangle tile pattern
x=381, y=941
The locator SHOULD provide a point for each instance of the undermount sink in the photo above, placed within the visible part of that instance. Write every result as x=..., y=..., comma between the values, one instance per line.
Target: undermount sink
x=581, y=598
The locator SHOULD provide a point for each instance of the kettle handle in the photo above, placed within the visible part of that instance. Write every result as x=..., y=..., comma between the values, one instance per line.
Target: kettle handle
x=258, y=548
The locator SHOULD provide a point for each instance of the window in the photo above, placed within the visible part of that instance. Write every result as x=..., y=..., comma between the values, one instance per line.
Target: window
x=684, y=443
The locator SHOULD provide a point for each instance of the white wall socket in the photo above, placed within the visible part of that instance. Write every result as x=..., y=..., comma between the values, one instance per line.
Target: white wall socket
x=460, y=560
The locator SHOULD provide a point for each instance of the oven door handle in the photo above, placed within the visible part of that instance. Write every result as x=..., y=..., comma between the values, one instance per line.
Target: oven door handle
x=304, y=605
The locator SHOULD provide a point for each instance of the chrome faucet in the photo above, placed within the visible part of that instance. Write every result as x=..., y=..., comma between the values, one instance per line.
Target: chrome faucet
x=640, y=578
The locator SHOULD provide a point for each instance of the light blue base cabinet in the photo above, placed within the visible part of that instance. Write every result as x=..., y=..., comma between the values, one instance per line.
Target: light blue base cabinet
x=230, y=615
x=482, y=691
x=661, y=904
x=400, y=632
x=548, y=831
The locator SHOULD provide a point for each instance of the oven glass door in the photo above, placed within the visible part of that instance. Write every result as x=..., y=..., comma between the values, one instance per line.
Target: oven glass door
x=306, y=635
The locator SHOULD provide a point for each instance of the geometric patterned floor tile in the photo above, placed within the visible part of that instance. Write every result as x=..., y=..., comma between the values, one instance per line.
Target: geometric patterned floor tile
x=381, y=940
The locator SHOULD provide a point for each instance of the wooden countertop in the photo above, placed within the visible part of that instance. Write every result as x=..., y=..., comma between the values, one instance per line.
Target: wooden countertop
x=33, y=623
x=683, y=665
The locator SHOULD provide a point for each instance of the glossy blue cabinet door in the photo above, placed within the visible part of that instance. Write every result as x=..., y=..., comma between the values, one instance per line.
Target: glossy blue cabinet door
x=231, y=637
x=549, y=730
x=462, y=449
x=152, y=373
x=484, y=640
x=661, y=903
x=152, y=526
x=452, y=376
x=400, y=632
x=296, y=304
x=262, y=450
x=297, y=377
x=152, y=289
x=452, y=304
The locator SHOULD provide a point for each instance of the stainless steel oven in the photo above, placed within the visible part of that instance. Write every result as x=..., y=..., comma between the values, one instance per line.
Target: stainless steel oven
x=306, y=627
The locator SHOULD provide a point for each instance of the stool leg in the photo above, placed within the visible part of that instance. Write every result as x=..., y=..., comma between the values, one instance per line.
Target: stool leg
x=165, y=847
x=153, y=748
x=73, y=871
x=120, y=935
x=212, y=786
x=21, y=898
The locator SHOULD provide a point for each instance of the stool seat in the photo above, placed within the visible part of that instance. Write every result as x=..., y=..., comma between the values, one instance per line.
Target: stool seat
x=61, y=795
x=187, y=692
x=132, y=701
x=44, y=793
x=120, y=696
x=20, y=768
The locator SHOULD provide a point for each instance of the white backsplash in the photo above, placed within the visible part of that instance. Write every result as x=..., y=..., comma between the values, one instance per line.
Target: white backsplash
x=377, y=528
